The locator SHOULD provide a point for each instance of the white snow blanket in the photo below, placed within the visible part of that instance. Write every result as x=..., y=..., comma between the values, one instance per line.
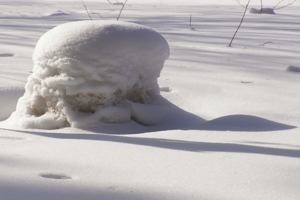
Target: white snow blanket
x=233, y=123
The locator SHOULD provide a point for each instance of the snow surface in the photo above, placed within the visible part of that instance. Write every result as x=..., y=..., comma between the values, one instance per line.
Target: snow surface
x=232, y=129
x=90, y=71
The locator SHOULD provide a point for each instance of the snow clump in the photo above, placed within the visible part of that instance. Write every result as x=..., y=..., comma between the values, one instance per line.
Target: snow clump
x=89, y=72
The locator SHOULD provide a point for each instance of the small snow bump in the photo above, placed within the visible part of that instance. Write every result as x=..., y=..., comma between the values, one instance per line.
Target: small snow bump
x=58, y=13
x=245, y=123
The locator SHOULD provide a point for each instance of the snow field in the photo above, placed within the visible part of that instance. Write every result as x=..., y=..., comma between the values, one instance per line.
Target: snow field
x=204, y=84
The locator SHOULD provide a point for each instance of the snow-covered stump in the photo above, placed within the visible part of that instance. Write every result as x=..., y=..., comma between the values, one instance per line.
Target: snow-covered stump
x=90, y=72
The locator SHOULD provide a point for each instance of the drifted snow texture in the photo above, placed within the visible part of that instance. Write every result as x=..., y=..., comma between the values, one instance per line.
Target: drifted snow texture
x=89, y=72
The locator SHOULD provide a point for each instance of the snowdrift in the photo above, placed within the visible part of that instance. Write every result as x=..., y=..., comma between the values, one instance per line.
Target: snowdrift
x=89, y=72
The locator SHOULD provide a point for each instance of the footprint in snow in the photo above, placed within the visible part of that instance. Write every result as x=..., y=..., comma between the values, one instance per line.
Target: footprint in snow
x=6, y=54
x=55, y=176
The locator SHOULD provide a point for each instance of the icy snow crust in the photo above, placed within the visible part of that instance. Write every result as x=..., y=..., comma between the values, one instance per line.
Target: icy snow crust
x=91, y=71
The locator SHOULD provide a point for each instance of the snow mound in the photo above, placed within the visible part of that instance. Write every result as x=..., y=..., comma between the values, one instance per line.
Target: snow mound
x=58, y=13
x=243, y=123
x=262, y=11
x=90, y=72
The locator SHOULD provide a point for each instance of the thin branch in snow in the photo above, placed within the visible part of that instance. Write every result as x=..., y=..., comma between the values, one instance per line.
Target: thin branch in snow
x=118, y=3
x=121, y=10
x=100, y=16
x=291, y=3
x=109, y=2
x=240, y=23
x=240, y=3
x=277, y=4
x=86, y=10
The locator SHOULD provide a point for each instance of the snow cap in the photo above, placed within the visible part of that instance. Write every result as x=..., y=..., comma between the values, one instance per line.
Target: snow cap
x=91, y=71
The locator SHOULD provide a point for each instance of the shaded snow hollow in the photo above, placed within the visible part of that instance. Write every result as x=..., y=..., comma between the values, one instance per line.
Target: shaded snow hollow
x=93, y=71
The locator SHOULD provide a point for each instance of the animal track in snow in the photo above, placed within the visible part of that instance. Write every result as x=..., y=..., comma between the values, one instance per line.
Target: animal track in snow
x=246, y=82
x=6, y=54
x=55, y=176
x=11, y=138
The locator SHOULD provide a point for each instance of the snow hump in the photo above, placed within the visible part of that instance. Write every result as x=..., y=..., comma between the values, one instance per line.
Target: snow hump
x=89, y=72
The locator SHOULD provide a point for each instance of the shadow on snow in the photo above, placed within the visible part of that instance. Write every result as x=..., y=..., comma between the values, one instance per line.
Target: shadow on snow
x=182, y=120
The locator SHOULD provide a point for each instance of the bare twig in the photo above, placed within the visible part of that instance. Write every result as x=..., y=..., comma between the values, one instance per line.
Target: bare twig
x=240, y=3
x=285, y=5
x=100, y=16
x=269, y=42
x=261, y=5
x=190, y=21
x=118, y=3
x=240, y=23
x=277, y=4
x=86, y=10
x=121, y=9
